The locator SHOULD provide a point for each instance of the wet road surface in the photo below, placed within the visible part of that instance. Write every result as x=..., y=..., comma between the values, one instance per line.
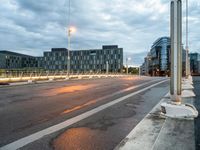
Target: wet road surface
x=27, y=109
x=196, y=81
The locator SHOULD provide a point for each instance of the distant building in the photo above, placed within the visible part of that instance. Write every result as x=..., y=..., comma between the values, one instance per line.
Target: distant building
x=146, y=65
x=92, y=60
x=195, y=63
x=12, y=60
x=56, y=59
x=157, y=62
x=158, y=58
x=85, y=60
x=40, y=62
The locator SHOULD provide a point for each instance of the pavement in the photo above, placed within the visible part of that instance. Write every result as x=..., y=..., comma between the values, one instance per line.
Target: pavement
x=107, y=113
x=197, y=105
x=157, y=132
x=71, y=114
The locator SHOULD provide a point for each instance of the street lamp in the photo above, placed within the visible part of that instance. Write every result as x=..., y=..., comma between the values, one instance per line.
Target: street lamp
x=174, y=108
x=127, y=59
x=187, y=63
x=70, y=30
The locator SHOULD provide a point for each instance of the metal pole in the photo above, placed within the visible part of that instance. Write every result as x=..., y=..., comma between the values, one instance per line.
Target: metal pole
x=187, y=71
x=68, y=53
x=139, y=71
x=126, y=65
x=69, y=34
x=176, y=50
x=106, y=67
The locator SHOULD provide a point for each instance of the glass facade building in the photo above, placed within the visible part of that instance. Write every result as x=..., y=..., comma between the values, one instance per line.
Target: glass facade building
x=195, y=63
x=159, y=57
x=157, y=62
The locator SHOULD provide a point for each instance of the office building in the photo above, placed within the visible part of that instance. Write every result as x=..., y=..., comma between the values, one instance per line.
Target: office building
x=157, y=62
x=56, y=59
x=93, y=60
x=12, y=60
x=195, y=63
x=158, y=58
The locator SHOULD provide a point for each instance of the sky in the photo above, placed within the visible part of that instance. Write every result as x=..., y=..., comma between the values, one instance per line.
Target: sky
x=32, y=26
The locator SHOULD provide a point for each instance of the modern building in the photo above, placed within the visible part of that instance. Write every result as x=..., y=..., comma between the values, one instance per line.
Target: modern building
x=157, y=62
x=92, y=60
x=95, y=60
x=12, y=60
x=56, y=59
x=146, y=65
x=195, y=63
x=158, y=57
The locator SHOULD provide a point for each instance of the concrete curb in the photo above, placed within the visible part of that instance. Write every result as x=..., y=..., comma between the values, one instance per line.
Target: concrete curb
x=145, y=133
x=155, y=132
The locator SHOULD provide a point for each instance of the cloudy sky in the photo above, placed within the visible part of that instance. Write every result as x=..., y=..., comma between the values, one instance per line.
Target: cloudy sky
x=32, y=26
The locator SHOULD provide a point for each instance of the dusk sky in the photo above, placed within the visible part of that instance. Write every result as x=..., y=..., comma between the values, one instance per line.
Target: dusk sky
x=32, y=26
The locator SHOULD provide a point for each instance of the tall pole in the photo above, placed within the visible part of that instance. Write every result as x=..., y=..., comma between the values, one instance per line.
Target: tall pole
x=139, y=71
x=69, y=34
x=176, y=50
x=68, y=53
x=126, y=65
x=187, y=69
x=106, y=67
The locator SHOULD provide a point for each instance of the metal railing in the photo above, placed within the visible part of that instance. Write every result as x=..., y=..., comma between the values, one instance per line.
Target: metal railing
x=33, y=76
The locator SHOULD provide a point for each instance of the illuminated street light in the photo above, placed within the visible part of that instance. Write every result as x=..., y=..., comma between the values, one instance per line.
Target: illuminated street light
x=70, y=31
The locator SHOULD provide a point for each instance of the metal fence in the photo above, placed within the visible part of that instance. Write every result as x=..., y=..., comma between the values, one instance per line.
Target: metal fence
x=37, y=75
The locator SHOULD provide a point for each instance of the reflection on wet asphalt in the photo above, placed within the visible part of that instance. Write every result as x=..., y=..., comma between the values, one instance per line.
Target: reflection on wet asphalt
x=105, y=130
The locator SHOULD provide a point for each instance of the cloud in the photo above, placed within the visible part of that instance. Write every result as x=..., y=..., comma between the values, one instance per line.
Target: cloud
x=30, y=26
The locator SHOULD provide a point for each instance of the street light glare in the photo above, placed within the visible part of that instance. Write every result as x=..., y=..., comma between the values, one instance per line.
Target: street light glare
x=72, y=29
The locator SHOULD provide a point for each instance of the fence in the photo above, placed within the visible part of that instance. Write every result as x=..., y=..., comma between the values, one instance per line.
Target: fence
x=31, y=76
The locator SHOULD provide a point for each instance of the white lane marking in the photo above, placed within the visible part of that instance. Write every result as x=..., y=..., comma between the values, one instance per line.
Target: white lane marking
x=126, y=90
x=38, y=135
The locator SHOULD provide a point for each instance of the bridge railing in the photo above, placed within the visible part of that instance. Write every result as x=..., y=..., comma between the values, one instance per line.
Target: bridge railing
x=33, y=76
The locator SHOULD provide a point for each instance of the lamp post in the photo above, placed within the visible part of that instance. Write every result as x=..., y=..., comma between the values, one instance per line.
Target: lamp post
x=70, y=30
x=107, y=67
x=68, y=53
x=187, y=67
x=127, y=59
x=174, y=108
x=176, y=51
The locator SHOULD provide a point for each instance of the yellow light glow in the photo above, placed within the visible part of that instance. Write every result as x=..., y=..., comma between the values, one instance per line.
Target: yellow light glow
x=67, y=89
x=72, y=29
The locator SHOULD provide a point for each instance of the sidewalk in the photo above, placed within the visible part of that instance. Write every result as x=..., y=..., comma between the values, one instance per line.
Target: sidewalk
x=155, y=132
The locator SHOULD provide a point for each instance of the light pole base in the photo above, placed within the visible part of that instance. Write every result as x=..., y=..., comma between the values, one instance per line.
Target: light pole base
x=187, y=93
x=184, y=94
x=190, y=78
x=187, y=81
x=187, y=86
x=183, y=111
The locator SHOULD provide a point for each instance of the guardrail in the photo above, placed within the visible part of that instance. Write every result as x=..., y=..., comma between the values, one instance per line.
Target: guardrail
x=51, y=77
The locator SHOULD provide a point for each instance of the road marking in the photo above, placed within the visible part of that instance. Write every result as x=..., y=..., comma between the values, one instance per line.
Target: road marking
x=144, y=133
x=107, y=96
x=40, y=134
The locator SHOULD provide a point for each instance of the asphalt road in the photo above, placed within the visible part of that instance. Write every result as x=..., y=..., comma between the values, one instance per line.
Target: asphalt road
x=196, y=81
x=27, y=109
